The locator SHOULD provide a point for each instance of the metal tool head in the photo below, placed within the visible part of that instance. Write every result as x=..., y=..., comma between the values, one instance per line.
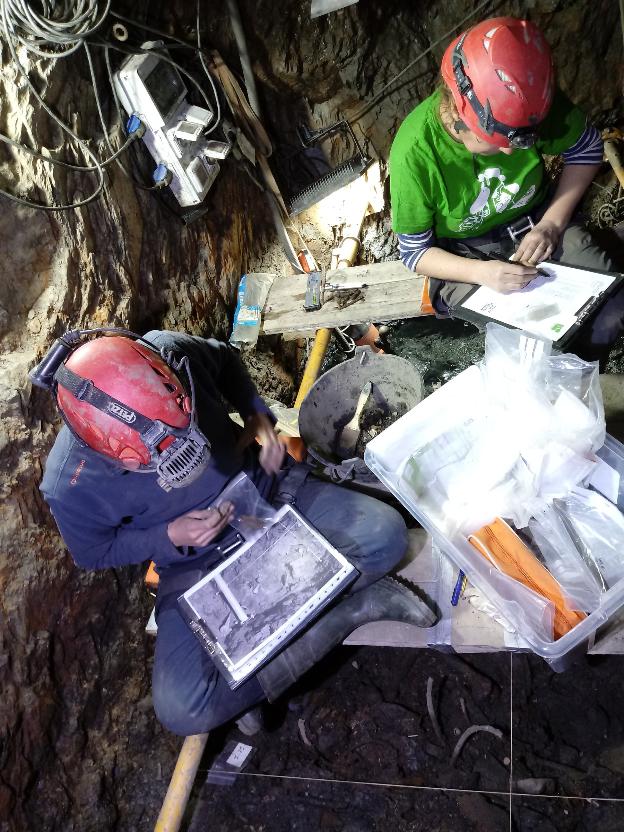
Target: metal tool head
x=314, y=292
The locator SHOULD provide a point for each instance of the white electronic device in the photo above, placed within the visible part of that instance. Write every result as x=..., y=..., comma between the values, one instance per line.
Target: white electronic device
x=153, y=89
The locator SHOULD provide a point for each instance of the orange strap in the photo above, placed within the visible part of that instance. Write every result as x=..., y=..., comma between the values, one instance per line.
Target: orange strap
x=152, y=578
x=426, y=307
x=502, y=547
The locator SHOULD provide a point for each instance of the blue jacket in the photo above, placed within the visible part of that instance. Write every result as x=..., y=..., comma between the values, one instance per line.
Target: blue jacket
x=108, y=516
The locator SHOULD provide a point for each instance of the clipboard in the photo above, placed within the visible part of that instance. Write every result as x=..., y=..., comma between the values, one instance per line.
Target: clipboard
x=553, y=313
x=258, y=599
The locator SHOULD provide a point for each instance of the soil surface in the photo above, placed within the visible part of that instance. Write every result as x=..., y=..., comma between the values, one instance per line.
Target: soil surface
x=355, y=749
x=373, y=421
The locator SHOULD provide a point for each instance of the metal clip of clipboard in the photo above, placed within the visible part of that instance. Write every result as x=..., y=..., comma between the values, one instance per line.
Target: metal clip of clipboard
x=519, y=228
x=588, y=308
x=595, y=302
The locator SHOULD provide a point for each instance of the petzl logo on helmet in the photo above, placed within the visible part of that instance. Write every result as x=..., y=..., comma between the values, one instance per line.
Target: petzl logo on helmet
x=128, y=416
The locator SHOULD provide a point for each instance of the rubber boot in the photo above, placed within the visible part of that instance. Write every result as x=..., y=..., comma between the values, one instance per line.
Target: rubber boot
x=385, y=600
x=251, y=722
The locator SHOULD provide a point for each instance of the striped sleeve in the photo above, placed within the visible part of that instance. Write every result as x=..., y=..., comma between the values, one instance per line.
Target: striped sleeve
x=587, y=150
x=413, y=246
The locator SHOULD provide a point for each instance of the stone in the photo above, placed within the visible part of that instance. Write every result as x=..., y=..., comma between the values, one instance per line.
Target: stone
x=536, y=785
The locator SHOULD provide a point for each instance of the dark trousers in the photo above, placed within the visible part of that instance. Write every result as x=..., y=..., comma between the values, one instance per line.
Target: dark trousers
x=190, y=695
x=576, y=248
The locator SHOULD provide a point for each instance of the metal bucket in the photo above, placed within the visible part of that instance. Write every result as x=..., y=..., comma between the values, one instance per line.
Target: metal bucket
x=397, y=387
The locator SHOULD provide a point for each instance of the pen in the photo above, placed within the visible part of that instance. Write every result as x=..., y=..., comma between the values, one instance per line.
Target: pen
x=492, y=255
x=460, y=586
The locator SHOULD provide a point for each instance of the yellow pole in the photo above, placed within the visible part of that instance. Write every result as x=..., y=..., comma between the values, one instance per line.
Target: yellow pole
x=181, y=783
x=315, y=359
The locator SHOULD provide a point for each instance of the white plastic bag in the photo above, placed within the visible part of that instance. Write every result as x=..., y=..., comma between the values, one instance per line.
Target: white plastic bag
x=465, y=476
x=573, y=386
x=562, y=559
x=596, y=527
x=253, y=289
x=557, y=468
x=252, y=514
x=527, y=611
x=512, y=359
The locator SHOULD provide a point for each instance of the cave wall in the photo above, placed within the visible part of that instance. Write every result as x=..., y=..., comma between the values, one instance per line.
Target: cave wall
x=74, y=661
x=340, y=61
x=80, y=748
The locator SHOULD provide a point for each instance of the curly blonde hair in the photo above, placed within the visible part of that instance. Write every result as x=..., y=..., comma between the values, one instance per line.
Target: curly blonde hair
x=446, y=97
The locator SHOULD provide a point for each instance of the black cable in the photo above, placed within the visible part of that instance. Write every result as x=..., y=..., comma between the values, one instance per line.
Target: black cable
x=73, y=24
x=63, y=125
x=98, y=105
x=63, y=36
x=67, y=165
x=208, y=75
x=41, y=207
x=52, y=29
x=60, y=162
x=126, y=173
x=96, y=95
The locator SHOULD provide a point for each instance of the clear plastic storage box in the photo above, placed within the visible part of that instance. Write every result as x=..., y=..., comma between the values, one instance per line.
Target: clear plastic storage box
x=387, y=454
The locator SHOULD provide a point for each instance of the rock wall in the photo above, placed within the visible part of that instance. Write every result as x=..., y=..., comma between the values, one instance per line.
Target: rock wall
x=80, y=747
x=340, y=61
x=75, y=716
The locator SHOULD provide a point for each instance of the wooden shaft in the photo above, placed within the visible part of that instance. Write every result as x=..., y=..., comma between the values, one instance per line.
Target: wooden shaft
x=182, y=779
x=317, y=354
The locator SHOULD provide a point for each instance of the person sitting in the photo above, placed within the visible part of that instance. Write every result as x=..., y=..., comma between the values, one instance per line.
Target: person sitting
x=468, y=182
x=147, y=448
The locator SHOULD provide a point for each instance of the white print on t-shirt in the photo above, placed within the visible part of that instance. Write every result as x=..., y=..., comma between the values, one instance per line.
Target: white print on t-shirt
x=495, y=196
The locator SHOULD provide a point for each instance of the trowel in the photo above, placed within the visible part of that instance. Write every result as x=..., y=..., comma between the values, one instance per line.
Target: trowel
x=351, y=431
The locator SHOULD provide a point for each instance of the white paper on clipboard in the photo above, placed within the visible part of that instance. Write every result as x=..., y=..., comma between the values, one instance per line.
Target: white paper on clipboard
x=548, y=307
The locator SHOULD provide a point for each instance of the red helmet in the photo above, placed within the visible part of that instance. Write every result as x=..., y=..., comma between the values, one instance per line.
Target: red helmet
x=123, y=400
x=501, y=77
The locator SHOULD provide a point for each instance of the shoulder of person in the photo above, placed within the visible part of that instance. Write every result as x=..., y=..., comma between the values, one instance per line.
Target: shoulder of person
x=413, y=135
x=204, y=354
x=74, y=467
x=564, y=122
x=182, y=341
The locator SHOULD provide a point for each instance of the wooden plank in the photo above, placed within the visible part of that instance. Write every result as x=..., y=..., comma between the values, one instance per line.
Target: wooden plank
x=392, y=292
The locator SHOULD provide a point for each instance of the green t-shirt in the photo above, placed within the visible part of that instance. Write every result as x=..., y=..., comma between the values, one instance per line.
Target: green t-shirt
x=436, y=183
